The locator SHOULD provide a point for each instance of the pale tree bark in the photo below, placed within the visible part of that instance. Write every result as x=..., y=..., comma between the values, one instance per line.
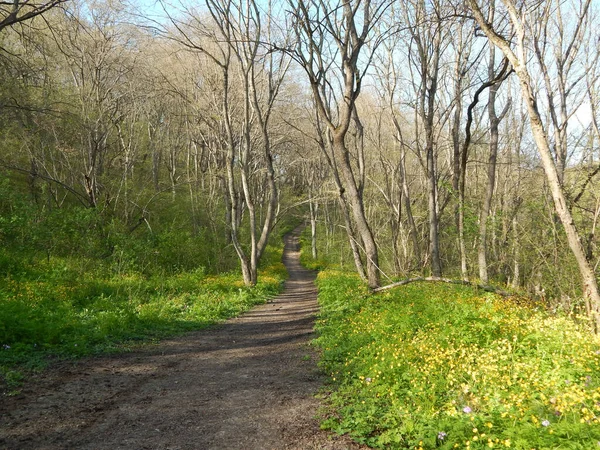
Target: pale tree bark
x=274, y=68
x=234, y=43
x=514, y=130
x=314, y=208
x=557, y=42
x=426, y=31
x=194, y=34
x=462, y=65
x=517, y=55
x=428, y=115
x=246, y=32
x=494, y=120
x=388, y=77
x=346, y=25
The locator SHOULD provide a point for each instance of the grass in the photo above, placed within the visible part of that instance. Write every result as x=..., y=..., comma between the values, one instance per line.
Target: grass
x=77, y=281
x=52, y=309
x=429, y=366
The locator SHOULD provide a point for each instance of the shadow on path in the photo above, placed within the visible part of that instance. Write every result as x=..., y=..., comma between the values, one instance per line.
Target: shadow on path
x=246, y=384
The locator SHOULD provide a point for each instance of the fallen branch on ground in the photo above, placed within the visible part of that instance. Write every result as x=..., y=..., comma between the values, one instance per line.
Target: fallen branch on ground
x=483, y=287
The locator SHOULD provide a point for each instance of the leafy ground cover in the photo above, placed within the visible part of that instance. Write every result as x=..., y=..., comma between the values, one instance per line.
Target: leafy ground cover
x=76, y=281
x=53, y=309
x=430, y=366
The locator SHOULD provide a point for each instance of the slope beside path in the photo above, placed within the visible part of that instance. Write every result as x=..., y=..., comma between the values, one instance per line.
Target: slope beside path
x=246, y=384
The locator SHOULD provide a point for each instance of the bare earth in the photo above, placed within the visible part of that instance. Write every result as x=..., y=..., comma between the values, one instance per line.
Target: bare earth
x=246, y=384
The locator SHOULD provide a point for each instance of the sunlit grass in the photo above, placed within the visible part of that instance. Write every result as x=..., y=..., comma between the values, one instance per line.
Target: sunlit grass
x=69, y=314
x=438, y=366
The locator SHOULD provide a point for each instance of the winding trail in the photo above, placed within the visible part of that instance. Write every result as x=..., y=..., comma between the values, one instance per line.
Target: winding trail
x=246, y=384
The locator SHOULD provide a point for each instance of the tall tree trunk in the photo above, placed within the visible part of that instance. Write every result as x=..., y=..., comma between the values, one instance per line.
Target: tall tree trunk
x=516, y=281
x=232, y=189
x=456, y=149
x=412, y=226
x=349, y=26
x=434, y=234
x=430, y=65
x=456, y=176
x=358, y=211
x=491, y=172
x=588, y=277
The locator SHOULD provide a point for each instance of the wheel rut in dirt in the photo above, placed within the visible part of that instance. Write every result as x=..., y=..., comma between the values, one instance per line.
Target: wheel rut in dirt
x=246, y=384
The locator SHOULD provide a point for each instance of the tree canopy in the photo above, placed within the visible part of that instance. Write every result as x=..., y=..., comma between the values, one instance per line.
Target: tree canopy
x=419, y=138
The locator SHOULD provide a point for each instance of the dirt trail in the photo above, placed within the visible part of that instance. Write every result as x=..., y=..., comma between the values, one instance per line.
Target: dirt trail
x=246, y=384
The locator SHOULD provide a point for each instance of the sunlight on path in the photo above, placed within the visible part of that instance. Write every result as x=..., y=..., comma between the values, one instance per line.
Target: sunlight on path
x=246, y=384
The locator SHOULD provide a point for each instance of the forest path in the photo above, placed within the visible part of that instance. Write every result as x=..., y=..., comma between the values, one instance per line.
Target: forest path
x=246, y=384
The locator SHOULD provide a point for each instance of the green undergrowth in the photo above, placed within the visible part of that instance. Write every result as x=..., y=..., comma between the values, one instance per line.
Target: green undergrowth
x=429, y=366
x=78, y=281
x=322, y=262
x=52, y=309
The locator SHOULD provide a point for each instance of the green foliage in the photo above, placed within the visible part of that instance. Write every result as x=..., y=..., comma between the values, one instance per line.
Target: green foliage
x=77, y=281
x=440, y=366
x=56, y=315
x=327, y=251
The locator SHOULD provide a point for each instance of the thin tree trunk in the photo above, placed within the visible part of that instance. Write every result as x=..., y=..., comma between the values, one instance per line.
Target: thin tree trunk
x=491, y=173
x=434, y=235
x=516, y=254
x=414, y=234
x=313, y=206
x=430, y=66
x=456, y=172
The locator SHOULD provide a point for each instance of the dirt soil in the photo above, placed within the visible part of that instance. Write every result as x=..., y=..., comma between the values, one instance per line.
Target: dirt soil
x=246, y=384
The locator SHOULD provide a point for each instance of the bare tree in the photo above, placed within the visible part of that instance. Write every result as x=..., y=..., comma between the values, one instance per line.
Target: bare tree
x=515, y=48
x=431, y=80
x=332, y=37
x=494, y=120
x=389, y=78
x=242, y=23
x=94, y=49
x=557, y=42
x=17, y=11
x=235, y=46
x=325, y=143
x=426, y=33
x=462, y=65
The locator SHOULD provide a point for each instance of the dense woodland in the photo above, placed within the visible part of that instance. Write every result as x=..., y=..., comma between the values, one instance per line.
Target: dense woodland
x=153, y=154
x=443, y=138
